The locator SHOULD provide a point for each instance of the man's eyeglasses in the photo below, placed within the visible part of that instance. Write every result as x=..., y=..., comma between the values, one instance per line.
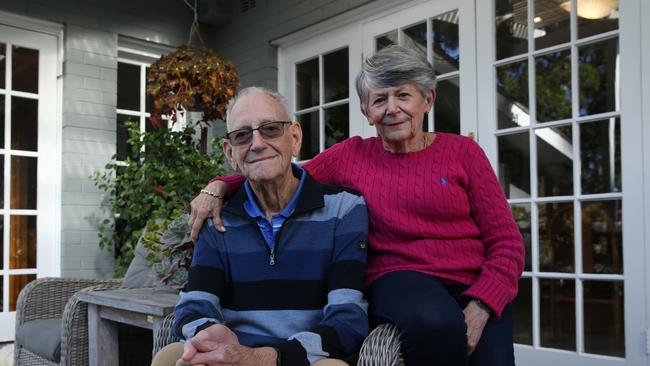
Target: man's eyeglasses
x=269, y=130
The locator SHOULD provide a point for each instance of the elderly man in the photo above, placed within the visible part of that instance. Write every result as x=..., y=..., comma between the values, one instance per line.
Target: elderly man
x=283, y=284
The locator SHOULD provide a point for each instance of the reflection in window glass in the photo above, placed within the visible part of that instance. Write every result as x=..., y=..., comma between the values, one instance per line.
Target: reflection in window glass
x=445, y=48
x=553, y=86
x=23, y=242
x=604, y=323
x=23, y=182
x=554, y=161
x=2, y=121
x=148, y=99
x=415, y=37
x=337, y=125
x=307, y=84
x=556, y=239
x=602, y=237
x=386, y=40
x=3, y=73
x=2, y=248
x=511, y=27
x=2, y=190
x=310, y=135
x=24, y=69
x=598, y=63
x=557, y=314
x=552, y=24
x=128, y=86
x=123, y=147
x=512, y=95
x=521, y=214
x=16, y=283
x=597, y=18
x=2, y=291
x=600, y=156
x=446, y=116
x=523, y=313
x=24, y=120
x=335, y=75
x=514, y=164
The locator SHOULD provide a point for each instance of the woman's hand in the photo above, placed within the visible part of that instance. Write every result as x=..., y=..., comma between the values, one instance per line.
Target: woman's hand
x=205, y=205
x=475, y=318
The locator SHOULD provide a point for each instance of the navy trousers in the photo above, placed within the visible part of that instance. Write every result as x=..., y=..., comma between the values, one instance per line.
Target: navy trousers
x=430, y=318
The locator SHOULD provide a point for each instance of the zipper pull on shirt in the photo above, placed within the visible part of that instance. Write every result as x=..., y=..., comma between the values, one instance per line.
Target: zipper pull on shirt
x=272, y=258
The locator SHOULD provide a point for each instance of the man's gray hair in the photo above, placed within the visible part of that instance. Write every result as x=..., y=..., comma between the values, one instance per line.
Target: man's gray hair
x=257, y=89
x=392, y=66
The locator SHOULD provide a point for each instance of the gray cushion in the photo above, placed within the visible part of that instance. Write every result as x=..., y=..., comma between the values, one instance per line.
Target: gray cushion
x=139, y=273
x=42, y=337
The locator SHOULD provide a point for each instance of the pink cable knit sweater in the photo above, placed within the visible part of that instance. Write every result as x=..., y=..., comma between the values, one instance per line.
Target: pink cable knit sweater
x=439, y=211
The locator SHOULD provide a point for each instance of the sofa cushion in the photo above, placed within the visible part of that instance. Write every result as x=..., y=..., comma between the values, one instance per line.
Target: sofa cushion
x=42, y=337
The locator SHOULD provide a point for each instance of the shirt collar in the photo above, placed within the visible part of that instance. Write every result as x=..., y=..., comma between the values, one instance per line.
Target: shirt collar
x=253, y=209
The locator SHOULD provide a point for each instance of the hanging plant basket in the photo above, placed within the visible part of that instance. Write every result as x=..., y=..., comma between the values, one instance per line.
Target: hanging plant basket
x=191, y=78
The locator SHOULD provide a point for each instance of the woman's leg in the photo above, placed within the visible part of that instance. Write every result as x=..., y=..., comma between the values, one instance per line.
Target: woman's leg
x=495, y=346
x=168, y=355
x=431, y=322
x=329, y=362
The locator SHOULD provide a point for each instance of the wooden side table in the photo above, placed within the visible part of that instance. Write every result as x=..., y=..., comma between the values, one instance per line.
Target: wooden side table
x=140, y=307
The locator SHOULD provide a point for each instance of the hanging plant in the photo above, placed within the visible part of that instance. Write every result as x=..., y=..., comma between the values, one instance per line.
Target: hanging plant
x=191, y=78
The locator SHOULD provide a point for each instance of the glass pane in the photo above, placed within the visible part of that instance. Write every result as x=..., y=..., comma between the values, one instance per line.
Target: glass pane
x=337, y=124
x=521, y=213
x=511, y=27
x=523, y=313
x=2, y=248
x=552, y=24
x=415, y=37
x=386, y=40
x=557, y=314
x=24, y=69
x=598, y=65
x=445, y=48
x=310, y=135
x=307, y=84
x=602, y=237
x=2, y=188
x=23, y=182
x=22, y=248
x=604, y=322
x=123, y=147
x=148, y=100
x=446, y=116
x=556, y=240
x=2, y=291
x=2, y=121
x=600, y=156
x=16, y=283
x=24, y=124
x=514, y=165
x=595, y=17
x=512, y=95
x=553, y=86
x=128, y=86
x=3, y=73
x=554, y=161
x=335, y=75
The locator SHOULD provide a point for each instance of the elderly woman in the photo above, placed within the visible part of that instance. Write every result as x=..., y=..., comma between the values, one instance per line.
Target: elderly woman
x=445, y=253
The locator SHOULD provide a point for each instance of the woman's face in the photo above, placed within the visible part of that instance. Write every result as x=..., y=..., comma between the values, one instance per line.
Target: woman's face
x=397, y=112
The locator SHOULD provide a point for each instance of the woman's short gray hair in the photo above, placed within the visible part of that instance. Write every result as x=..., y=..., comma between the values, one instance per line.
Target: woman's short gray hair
x=392, y=66
x=257, y=89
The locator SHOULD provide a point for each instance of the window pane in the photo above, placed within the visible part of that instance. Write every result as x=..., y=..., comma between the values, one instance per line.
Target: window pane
x=597, y=17
x=557, y=314
x=597, y=77
x=123, y=148
x=2, y=291
x=446, y=116
x=335, y=75
x=148, y=100
x=446, y=55
x=386, y=40
x=128, y=86
x=554, y=161
x=556, y=240
x=307, y=85
x=22, y=247
x=2, y=121
x=2, y=248
x=23, y=182
x=24, y=69
x=514, y=165
x=521, y=213
x=523, y=313
x=600, y=156
x=310, y=135
x=337, y=125
x=3, y=72
x=552, y=24
x=512, y=95
x=604, y=321
x=511, y=27
x=16, y=283
x=415, y=37
x=2, y=187
x=553, y=86
x=24, y=124
x=602, y=237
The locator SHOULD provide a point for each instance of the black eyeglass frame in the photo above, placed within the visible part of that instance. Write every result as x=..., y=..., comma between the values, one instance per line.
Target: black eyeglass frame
x=259, y=129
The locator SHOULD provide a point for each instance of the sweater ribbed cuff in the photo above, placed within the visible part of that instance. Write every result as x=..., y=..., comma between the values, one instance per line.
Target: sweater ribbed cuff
x=493, y=294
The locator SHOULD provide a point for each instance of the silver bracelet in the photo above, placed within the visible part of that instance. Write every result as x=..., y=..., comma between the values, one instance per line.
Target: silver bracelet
x=212, y=194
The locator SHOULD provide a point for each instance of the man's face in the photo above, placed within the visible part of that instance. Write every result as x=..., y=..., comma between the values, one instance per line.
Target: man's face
x=262, y=160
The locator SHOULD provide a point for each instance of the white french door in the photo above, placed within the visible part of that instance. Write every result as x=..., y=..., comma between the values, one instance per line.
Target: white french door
x=29, y=147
